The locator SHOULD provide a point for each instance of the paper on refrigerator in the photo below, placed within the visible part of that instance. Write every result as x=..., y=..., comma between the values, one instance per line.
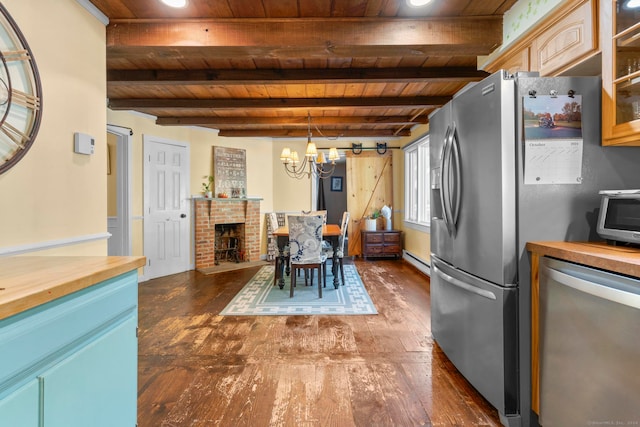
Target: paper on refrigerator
x=553, y=139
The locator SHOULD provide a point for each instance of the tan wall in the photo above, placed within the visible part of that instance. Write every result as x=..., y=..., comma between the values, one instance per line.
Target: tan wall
x=201, y=142
x=52, y=193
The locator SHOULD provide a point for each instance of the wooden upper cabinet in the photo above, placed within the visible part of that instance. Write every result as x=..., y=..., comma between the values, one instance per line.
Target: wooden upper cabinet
x=556, y=44
x=519, y=61
x=620, y=39
x=567, y=41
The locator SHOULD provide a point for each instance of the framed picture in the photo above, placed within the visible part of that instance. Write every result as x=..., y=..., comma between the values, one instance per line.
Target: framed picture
x=336, y=183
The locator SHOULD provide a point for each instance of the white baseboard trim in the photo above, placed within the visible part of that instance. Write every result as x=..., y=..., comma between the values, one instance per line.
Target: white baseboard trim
x=417, y=262
x=51, y=244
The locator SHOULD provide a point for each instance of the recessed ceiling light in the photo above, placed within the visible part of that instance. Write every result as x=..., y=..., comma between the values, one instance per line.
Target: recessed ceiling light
x=175, y=3
x=418, y=3
x=632, y=4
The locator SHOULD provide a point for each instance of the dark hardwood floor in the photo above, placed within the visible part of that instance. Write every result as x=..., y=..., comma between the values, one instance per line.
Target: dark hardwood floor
x=201, y=369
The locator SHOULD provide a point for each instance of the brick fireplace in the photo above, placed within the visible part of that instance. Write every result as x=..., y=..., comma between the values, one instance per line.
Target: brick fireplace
x=242, y=214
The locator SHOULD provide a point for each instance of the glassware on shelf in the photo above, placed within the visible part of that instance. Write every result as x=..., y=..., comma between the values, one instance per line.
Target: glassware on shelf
x=627, y=60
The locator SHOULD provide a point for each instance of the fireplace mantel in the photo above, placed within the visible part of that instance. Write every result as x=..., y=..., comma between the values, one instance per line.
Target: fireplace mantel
x=227, y=199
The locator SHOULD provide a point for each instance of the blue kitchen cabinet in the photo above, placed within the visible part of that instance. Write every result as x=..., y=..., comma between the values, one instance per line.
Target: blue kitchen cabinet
x=72, y=362
x=19, y=406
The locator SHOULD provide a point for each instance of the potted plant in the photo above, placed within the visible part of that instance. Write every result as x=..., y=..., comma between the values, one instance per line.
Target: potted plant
x=207, y=186
x=371, y=222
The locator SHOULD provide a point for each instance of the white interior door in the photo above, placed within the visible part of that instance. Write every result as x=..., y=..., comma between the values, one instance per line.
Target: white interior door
x=166, y=207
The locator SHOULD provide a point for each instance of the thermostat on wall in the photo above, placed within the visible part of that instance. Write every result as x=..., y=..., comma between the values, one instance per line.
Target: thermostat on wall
x=83, y=143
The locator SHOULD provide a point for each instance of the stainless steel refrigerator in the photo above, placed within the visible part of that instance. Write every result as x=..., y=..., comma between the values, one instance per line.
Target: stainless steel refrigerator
x=486, y=205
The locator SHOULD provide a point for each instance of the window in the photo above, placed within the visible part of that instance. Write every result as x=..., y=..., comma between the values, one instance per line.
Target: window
x=417, y=210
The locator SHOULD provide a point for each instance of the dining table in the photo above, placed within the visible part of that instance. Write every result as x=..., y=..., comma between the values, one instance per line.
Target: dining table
x=330, y=232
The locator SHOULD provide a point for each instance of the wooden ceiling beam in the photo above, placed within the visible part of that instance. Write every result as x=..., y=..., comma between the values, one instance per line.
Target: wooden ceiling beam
x=293, y=76
x=295, y=121
x=295, y=133
x=279, y=103
x=303, y=37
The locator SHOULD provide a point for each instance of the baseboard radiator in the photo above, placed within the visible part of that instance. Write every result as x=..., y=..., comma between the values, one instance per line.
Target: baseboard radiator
x=417, y=262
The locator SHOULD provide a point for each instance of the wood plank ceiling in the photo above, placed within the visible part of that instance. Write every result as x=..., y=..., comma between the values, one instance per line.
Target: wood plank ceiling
x=358, y=68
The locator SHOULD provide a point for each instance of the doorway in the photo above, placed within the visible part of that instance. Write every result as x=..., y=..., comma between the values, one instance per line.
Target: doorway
x=332, y=193
x=119, y=217
x=166, y=206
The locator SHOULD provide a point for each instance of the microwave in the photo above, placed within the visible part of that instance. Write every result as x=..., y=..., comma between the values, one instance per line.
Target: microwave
x=619, y=217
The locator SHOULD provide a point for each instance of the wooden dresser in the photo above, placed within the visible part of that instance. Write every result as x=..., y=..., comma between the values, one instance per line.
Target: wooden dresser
x=382, y=243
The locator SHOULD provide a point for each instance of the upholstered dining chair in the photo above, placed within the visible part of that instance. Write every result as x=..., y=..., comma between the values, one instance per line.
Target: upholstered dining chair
x=340, y=249
x=323, y=213
x=305, y=247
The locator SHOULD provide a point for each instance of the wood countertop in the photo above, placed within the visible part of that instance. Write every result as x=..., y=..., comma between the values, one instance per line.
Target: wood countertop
x=619, y=259
x=29, y=281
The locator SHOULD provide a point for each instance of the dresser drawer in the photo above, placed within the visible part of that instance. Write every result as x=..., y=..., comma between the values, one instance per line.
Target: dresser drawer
x=392, y=249
x=391, y=238
x=373, y=238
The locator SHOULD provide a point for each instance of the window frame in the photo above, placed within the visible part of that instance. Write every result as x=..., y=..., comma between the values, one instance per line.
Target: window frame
x=417, y=186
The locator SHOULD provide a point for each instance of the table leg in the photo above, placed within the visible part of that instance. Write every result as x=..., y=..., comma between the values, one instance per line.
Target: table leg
x=279, y=274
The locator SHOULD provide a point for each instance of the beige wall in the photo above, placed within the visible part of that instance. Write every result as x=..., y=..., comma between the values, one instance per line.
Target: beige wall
x=201, y=142
x=52, y=193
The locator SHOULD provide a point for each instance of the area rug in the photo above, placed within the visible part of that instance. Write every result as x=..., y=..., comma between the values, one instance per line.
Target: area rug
x=260, y=297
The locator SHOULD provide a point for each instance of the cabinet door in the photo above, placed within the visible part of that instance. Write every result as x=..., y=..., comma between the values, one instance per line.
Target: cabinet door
x=96, y=386
x=620, y=34
x=20, y=408
x=566, y=42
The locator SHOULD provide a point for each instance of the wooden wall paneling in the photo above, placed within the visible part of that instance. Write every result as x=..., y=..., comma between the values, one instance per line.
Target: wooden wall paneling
x=369, y=186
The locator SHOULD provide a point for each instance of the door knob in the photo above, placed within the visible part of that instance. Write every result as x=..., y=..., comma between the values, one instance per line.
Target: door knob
x=183, y=215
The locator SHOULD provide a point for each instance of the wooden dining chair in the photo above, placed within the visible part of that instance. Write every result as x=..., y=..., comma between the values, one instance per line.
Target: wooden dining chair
x=272, y=247
x=340, y=249
x=305, y=247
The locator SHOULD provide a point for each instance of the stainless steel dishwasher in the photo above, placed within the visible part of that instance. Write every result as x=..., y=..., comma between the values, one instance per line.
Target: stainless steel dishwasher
x=589, y=346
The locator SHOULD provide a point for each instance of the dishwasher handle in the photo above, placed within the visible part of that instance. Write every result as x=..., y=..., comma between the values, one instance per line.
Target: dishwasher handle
x=601, y=291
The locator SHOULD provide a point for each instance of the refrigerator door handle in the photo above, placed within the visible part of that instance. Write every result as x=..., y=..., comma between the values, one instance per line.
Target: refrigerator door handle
x=595, y=289
x=446, y=182
x=457, y=184
x=444, y=171
x=466, y=286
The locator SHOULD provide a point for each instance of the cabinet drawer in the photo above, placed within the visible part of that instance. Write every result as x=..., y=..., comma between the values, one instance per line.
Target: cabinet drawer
x=374, y=249
x=373, y=238
x=392, y=238
x=42, y=334
x=392, y=249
